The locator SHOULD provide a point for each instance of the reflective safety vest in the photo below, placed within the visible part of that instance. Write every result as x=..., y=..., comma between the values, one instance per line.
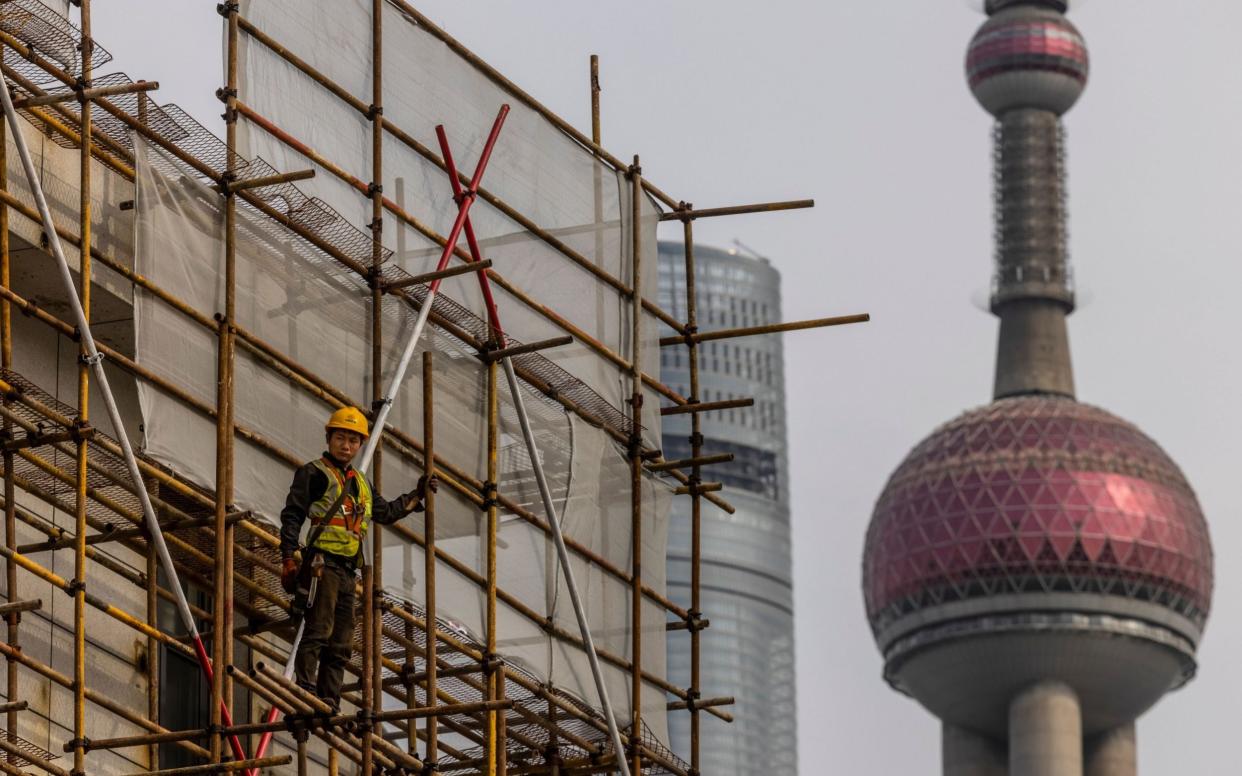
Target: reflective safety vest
x=343, y=534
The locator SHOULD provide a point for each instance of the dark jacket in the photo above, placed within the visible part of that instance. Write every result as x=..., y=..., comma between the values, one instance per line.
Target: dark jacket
x=309, y=485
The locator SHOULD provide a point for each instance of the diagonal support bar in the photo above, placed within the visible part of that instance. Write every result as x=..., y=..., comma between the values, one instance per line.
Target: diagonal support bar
x=95, y=359
x=562, y=554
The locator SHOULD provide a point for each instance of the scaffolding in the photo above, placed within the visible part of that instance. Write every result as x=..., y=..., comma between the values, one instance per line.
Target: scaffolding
x=426, y=694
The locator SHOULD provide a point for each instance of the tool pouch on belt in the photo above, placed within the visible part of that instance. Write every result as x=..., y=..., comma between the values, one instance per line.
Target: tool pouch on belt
x=308, y=576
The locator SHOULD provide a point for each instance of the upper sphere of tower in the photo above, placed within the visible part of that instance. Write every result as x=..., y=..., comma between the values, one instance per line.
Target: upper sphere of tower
x=1027, y=55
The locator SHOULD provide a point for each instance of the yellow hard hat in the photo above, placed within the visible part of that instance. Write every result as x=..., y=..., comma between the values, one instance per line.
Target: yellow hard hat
x=349, y=419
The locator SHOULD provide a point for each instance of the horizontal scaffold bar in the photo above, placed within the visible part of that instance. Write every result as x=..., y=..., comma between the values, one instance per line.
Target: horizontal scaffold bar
x=265, y=181
x=85, y=94
x=686, y=463
x=225, y=767
x=38, y=438
x=500, y=354
x=693, y=490
x=771, y=328
x=447, y=272
x=690, y=214
x=19, y=606
x=707, y=406
x=706, y=703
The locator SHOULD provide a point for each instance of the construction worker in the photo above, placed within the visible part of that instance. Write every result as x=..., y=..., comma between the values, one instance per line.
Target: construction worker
x=327, y=643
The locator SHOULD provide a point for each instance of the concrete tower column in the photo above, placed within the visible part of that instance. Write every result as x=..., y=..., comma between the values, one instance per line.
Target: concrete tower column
x=1045, y=732
x=965, y=753
x=1113, y=753
x=1033, y=353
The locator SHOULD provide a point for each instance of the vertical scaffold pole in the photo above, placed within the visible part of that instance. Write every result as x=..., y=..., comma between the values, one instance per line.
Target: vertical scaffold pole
x=10, y=508
x=636, y=468
x=429, y=562
x=94, y=359
x=153, y=599
x=696, y=498
x=84, y=380
x=595, y=90
x=222, y=608
x=373, y=573
x=493, y=521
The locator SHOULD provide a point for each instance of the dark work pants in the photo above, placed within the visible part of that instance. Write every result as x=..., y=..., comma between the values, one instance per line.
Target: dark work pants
x=328, y=642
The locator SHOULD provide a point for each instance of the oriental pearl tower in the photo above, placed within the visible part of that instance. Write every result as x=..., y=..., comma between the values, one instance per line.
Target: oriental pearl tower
x=1037, y=572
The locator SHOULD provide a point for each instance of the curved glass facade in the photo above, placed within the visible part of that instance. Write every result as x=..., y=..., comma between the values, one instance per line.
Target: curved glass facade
x=746, y=593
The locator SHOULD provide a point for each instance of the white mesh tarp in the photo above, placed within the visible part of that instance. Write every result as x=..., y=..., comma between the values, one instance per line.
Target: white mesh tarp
x=315, y=312
x=536, y=169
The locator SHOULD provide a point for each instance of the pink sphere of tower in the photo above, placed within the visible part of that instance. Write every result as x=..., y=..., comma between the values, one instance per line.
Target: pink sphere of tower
x=1042, y=516
x=1037, y=494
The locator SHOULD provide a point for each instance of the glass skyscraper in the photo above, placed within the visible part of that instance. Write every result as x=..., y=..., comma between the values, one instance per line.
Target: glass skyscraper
x=746, y=588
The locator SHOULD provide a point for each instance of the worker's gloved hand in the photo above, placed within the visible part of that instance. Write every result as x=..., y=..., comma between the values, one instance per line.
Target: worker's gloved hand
x=413, y=501
x=426, y=484
x=289, y=575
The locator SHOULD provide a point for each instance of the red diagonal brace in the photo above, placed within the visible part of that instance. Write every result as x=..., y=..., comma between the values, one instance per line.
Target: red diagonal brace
x=465, y=199
x=476, y=255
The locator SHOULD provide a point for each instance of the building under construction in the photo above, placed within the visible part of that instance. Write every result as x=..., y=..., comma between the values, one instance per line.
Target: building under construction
x=181, y=311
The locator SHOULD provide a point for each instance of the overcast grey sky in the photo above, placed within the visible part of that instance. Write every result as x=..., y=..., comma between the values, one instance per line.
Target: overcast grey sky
x=863, y=106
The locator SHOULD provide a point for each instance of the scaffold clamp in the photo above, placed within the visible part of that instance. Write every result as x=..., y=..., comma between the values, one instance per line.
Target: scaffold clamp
x=489, y=496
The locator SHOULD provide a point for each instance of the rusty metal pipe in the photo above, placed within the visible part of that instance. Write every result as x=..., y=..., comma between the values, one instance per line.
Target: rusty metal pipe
x=447, y=272
x=684, y=463
x=85, y=94
x=771, y=328
x=689, y=214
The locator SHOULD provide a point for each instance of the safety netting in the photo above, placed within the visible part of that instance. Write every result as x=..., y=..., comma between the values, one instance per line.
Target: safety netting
x=303, y=307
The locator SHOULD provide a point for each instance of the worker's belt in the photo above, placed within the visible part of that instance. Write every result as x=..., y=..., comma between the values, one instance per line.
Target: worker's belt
x=349, y=564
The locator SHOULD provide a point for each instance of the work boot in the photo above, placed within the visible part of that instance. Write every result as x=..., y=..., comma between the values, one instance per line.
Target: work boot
x=334, y=704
